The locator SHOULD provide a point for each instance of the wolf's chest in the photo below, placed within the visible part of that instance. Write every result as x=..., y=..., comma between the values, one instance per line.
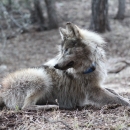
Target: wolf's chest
x=69, y=93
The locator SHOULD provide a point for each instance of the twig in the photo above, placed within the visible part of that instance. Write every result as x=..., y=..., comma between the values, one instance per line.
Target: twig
x=69, y=128
x=9, y=17
x=40, y=107
x=18, y=25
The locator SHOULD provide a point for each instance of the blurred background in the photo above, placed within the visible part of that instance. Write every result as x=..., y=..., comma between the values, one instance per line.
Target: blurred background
x=29, y=32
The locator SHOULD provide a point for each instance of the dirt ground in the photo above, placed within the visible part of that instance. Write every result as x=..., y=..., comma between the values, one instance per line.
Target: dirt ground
x=35, y=48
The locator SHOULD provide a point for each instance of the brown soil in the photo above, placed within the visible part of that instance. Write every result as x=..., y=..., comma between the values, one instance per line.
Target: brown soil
x=35, y=48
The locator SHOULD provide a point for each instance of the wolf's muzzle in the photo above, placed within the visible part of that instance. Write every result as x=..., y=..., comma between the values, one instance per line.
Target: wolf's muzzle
x=69, y=65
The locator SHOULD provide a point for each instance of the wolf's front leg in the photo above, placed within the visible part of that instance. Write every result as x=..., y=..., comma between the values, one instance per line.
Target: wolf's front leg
x=112, y=91
x=101, y=97
x=31, y=100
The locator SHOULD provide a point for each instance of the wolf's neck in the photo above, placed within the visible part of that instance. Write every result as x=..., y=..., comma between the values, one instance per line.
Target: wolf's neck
x=84, y=69
x=98, y=72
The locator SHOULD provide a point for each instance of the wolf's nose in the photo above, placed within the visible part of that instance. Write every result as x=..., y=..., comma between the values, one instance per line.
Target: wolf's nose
x=56, y=66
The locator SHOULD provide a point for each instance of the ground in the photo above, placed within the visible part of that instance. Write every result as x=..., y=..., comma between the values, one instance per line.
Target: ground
x=35, y=48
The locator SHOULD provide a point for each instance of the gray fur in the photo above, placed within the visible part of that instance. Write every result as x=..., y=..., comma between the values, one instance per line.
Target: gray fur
x=66, y=86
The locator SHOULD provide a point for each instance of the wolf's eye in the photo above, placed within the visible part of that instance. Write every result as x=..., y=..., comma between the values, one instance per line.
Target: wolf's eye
x=66, y=49
x=67, y=52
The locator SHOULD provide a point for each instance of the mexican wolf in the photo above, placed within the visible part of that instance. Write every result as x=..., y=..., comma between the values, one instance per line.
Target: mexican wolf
x=72, y=79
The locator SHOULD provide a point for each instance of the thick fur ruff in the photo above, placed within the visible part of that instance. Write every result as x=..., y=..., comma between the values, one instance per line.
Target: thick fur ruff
x=61, y=80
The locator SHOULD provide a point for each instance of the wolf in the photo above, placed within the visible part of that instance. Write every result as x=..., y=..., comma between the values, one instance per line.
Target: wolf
x=74, y=78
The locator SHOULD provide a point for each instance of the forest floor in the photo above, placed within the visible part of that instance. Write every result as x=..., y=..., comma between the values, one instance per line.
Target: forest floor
x=35, y=48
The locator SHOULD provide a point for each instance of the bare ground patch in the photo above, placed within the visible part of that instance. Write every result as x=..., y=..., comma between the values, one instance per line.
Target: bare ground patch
x=113, y=118
x=34, y=48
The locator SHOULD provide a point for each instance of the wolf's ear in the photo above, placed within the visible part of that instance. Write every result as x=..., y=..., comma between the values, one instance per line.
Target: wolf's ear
x=72, y=30
x=63, y=33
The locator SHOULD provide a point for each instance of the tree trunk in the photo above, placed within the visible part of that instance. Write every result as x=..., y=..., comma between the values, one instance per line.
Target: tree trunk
x=37, y=15
x=121, y=10
x=99, y=20
x=52, y=16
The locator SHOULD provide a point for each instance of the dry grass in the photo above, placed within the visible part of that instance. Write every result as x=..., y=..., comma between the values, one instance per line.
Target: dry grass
x=113, y=118
x=33, y=49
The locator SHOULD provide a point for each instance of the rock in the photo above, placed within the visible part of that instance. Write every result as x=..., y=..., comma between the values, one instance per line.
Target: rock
x=2, y=68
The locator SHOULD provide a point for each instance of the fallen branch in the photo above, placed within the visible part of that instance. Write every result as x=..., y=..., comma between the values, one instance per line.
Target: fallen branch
x=42, y=107
x=118, y=65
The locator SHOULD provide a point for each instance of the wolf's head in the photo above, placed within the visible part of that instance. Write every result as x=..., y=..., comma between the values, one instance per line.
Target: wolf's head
x=79, y=48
